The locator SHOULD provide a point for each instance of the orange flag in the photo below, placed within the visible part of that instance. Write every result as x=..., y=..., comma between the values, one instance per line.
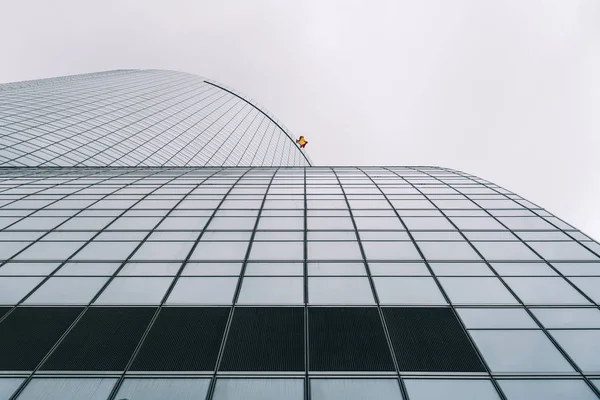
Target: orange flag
x=301, y=141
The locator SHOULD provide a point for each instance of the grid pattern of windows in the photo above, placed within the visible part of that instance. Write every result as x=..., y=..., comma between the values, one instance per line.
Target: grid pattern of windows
x=138, y=118
x=350, y=283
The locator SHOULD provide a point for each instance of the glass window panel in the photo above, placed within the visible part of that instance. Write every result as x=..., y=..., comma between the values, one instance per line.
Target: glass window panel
x=398, y=269
x=476, y=291
x=519, y=351
x=134, y=223
x=380, y=223
x=224, y=236
x=582, y=346
x=331, y=235
x=448, y=251
x=14, y=288
x=526, y=223
x=458, y=269
x=569, y=251
x=272, y=290
x=330, y=223
x=568, y=317
x=76, y=268
x=355, y=389
x=274, y=269
x=67, y=291
x=557, y=389
x=492, y=318
x=488, y=236
x=208, y=269
x=220, y=251
x=259, y=389
x=336, y=269
x=117, y=251
x=516, y=269
x=438, y=236
x=477, y=223
x=428, y=223
x=165, y=269
x=590, y=286
x=334, y=251
x=163, y=251
x=68, y=389
x=545, y=291
x=50, y=251
x=391, y=251
x=281, y=223
x=27, y=268
x=8, y=386
x=235, y=223
x=183, y=223
x=575, y=269
x=505, y=251
x=408, y=291
x=451, y=389
x=537, y=235
x=203, y=291
x=277, y=251
x=339, y=290
x=163, y=389
x=279, y=235
x=134, y=291
x=384, y=235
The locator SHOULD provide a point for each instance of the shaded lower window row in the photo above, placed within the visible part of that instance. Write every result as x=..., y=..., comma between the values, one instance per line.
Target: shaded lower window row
x=293, y=389
x=258, y=339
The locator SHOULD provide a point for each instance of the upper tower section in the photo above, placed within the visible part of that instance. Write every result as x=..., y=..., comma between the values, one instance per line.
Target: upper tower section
x=138, y=118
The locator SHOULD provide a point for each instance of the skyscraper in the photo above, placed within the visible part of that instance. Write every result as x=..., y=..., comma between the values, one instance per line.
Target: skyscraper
x=162, y=237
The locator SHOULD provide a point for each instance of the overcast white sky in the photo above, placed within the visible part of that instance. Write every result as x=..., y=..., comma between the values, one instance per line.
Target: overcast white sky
x=507, y=90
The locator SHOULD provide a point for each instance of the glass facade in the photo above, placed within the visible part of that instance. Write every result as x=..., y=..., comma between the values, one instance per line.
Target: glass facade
x=287, y=282
x=138, y=118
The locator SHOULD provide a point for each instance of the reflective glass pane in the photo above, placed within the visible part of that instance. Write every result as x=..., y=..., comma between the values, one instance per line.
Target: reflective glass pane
x=334, y=251
x=13, y=289
x=545, y=291
x=259, y=389
x=167, y=389
x=16, y=268
x=203, y=291
x=583, y=346
x=448, y=251
x=67, y=291
x=476, y=291
x=519, y=351
x=208, y=269
x=220, y=251
x=355, y=389
x=590, y=286
x=556, y=389
x=408, y=291
x=106, y=251
x=576, y=269
x=50, y=251
x=568, y=251
x=68, y=389
x=458, y=269
x=491, y=318
x=277, y=251
x=517, y=269
x=77, y=268
x=8, y=386
x=450, y=389
x=272, y=290
x=339, y=290
x=391, y=251
x=147, y=290
x=398, y=269
x=153, y=251
x=494, y=251
x=568, y=317
x=166, y=269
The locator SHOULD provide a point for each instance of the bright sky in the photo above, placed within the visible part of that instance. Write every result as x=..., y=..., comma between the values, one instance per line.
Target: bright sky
x=507, y=90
